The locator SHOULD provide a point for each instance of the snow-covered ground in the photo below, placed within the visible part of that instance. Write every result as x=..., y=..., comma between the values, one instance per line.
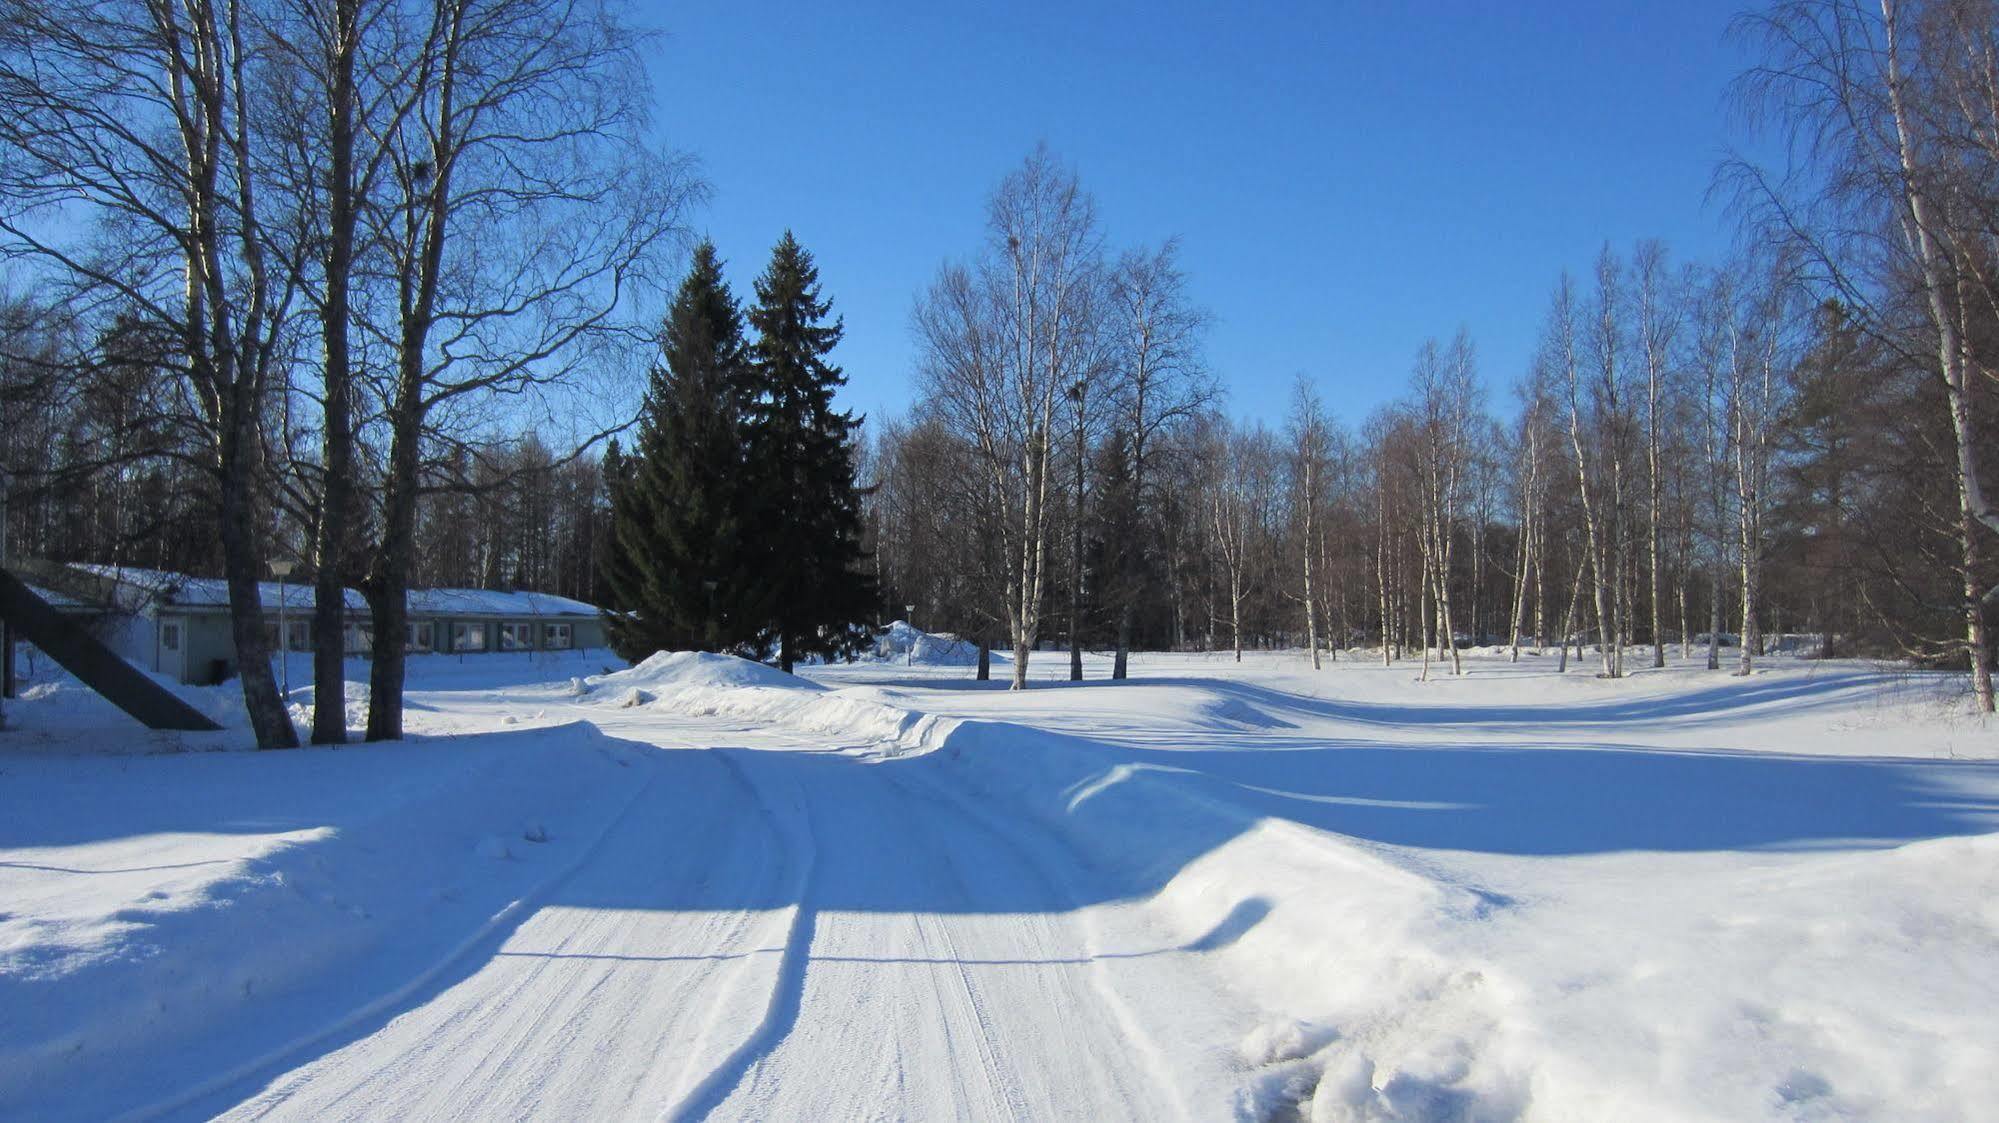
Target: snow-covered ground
x=701, y=888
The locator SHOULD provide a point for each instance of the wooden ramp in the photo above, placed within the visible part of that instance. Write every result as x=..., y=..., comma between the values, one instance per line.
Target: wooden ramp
x=99, y=667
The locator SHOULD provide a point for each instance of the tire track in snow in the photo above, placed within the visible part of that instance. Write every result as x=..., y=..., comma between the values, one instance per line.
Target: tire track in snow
x=998, y=1080
x=1033, y=857
x=790, y=821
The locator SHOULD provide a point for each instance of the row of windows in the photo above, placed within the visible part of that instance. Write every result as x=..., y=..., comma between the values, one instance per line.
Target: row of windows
x=466, y=635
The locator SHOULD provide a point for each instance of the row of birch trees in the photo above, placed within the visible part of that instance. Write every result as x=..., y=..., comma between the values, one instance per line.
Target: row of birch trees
x=1702, y=461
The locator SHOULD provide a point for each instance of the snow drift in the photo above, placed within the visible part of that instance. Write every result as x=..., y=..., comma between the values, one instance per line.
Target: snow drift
x=902, y=642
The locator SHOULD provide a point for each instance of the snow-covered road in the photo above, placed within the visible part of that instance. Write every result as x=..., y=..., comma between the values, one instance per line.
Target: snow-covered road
x=787, y=931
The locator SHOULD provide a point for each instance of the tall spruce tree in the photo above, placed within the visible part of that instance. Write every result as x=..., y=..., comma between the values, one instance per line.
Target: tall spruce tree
x=802, y=466
x=680, y=567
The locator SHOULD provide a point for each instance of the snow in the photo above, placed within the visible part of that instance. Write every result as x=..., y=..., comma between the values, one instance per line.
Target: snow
x=700, y=887
x=903, y=643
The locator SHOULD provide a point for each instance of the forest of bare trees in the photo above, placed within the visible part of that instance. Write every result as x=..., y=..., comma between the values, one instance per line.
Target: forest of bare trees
x=1786, y=448
x=283, y=277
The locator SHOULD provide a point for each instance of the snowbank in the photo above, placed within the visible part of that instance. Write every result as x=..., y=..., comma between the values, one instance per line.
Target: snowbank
x=704, y=684
x=901, y=642
x=54, y=706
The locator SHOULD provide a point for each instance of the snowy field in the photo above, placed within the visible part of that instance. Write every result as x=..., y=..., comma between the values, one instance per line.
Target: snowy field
x=701, y=888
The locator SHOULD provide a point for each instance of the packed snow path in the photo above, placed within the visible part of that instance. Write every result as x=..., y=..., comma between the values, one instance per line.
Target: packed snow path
x=786, y=932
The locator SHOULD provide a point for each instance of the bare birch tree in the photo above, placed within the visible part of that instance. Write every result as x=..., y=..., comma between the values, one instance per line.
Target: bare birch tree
x=521, y=205
x=1311, y=452
x=1002, y=342
x=1894, y=108
x=139, y=119
x=1155, y=336
x=1657, y=326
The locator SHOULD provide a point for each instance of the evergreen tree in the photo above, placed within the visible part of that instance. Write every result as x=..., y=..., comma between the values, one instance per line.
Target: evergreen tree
x=679, y=566
x=802, y=467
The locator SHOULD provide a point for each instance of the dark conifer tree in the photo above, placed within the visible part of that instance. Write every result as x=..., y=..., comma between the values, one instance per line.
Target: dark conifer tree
x=802, y=464
x=679, y=565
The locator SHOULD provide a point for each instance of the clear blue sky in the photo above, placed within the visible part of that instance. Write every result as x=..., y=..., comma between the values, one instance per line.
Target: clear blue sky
x=1347, y=178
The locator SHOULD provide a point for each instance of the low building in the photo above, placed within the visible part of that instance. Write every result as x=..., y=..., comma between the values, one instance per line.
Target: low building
x=178, y=625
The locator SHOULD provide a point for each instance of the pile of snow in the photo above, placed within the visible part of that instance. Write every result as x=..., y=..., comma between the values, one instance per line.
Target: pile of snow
x=702, y=670
x=703, y=684
x=902, y=642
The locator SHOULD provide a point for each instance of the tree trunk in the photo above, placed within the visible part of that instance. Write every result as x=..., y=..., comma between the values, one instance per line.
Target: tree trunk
x=1311, y=606
x=387, y=587
x=1715, y=584
x=329, y=603
x=1120, y=661
x=1526, y=561
x=1381, y=578
x=1076, y=550
x=1569, y=619
x=242, y=563
x=1235, y=613
x=1424, y=620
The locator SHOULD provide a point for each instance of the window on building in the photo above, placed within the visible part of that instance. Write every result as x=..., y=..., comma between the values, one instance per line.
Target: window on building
x=170, y=636
x=556, y=637
x=518, y=636
x=298, y=635
x=359, y=638
x=418, y=636
x=468, y=635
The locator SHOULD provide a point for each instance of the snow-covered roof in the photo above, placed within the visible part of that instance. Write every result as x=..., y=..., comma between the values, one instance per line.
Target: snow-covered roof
x=57, y=599
x=137, y=588
x=489, y=602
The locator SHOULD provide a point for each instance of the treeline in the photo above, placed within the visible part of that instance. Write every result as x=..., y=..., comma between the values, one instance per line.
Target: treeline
x=1700, y=455
x=351, y=283
x=99, y=470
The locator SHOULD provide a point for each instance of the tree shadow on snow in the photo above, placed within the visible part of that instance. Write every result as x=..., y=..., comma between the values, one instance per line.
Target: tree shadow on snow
x=1724, y=703
x=1600, y=799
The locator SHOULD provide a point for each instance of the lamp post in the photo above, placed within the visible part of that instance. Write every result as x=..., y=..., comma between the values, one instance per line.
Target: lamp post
x=283, y=568
x=909, y=614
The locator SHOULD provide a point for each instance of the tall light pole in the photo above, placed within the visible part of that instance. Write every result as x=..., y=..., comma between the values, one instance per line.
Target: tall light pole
x=283, y=568
x=909, y=614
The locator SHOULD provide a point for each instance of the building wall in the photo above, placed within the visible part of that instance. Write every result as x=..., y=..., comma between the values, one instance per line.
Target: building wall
x=206, y=638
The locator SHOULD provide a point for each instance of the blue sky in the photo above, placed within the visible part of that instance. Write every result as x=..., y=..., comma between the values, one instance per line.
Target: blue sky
x=1346, y=178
